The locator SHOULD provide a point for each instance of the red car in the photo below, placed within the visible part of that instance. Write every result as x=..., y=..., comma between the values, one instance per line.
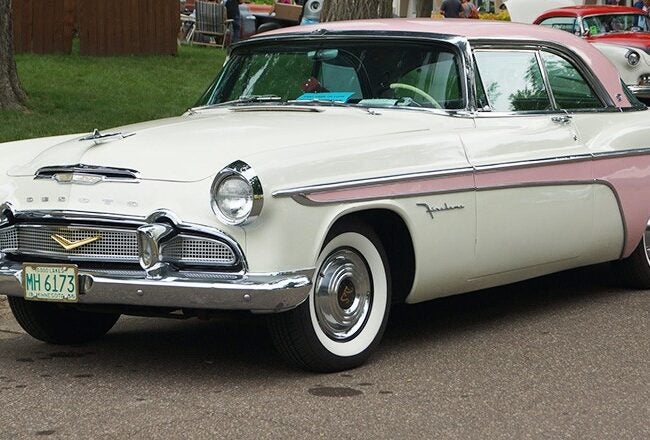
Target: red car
x=622, y=33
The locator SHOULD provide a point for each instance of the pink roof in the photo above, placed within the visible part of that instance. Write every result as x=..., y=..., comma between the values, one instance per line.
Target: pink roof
x=479, y=30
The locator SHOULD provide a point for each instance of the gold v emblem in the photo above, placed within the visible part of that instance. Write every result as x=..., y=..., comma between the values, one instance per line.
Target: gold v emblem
x=69, y=245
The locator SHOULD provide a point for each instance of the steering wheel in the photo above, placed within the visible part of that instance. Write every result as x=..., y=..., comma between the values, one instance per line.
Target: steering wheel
x=417, y=91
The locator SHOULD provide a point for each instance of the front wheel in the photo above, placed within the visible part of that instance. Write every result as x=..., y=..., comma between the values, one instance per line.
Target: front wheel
x=343, y=320
x=49, y=322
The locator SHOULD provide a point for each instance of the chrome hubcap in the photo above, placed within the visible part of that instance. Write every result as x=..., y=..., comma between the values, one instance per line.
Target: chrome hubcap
x=343, y=294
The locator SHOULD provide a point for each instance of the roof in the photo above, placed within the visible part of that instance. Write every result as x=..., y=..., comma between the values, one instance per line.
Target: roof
x=477, y=30
x=583, y=11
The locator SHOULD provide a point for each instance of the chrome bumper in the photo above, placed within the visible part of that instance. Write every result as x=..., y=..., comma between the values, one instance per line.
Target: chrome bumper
x=259, y=293
x=640, y=91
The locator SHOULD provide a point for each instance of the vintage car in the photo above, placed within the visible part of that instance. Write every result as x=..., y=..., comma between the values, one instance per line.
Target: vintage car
x=621, y=33
x=329, y=172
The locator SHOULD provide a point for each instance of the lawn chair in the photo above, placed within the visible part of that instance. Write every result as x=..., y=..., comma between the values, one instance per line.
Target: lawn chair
x=213, y=28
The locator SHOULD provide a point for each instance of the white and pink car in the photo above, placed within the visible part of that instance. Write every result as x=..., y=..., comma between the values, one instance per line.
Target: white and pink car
x=329, y=172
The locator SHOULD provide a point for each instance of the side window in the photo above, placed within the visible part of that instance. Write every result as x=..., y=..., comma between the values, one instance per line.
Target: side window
x=568, y=24
x=512, y=80
x=569, y=88
x=438, y=77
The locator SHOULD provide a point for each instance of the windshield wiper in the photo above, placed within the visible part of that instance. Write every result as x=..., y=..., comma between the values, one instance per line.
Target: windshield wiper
x=255, y=99
x=250, y=99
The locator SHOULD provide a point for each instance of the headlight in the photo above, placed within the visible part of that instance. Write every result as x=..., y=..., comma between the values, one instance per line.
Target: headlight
x=236, y=194
x=633, y=57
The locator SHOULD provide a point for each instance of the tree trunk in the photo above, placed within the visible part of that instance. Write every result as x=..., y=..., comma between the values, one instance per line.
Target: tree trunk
x=335, y=10
x=424, y=8
x=11, y=95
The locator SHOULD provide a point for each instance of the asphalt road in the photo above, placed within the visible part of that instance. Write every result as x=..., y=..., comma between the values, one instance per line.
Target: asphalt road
x=557, y=357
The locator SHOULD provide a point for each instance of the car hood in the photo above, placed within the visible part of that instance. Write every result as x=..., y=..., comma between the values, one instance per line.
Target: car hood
x=198, y=145
x=639, y=40
x=526, y=11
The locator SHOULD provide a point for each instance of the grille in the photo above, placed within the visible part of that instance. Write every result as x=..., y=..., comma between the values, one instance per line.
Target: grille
x=117, y=245
x=196, y=250
x=8, y=239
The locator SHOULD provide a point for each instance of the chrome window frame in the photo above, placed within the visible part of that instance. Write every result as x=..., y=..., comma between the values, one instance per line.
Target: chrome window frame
x=457, y=44
x=535, y=46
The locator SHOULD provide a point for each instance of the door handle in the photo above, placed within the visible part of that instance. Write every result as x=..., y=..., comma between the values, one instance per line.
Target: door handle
x=561, y=119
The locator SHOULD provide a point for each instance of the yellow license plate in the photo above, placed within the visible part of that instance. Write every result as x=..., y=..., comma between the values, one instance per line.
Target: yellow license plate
x=50, y=282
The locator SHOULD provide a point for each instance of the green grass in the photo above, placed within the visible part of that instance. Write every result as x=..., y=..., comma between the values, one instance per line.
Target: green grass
x=73, y=93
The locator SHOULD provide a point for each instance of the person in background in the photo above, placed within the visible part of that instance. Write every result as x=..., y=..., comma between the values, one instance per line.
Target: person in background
x=232, y=11
x=468, y=9
x=638, y=4
x=451, y=8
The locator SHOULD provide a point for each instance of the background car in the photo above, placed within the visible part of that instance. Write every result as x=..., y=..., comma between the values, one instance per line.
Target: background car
x=621, y=33
x=319, y=181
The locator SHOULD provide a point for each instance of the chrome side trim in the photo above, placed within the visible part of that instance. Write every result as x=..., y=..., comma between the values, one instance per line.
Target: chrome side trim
x=256, y=292
x=370, y=181
x=300, y=194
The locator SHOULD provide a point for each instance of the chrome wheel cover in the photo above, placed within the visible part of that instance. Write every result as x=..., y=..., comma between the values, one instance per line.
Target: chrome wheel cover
x=343, y=294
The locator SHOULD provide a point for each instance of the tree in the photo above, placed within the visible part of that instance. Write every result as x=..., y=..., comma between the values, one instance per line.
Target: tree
x=11, y=95
x=424, y=8
x=335, y=10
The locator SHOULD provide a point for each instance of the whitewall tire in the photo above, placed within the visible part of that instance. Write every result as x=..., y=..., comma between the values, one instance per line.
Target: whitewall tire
x=346, y=313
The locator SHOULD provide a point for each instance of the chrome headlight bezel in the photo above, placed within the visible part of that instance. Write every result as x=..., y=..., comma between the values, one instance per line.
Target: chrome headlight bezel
x=238, y=170
x=6, y=214
x=633, y=57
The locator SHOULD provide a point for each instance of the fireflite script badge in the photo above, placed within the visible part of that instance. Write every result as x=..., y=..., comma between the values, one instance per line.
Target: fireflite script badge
x=70, y=245
x=445, y=207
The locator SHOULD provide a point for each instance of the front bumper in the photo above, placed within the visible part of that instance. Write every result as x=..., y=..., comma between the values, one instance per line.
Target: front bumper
x=259, y=293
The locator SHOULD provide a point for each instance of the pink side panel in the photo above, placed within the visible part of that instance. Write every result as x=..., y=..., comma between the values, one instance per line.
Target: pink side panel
x=549, y=173
x=630, y=178
x=410, y=187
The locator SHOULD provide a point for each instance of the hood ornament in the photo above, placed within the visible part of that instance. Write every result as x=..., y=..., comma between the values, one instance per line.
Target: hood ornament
x=99, y=138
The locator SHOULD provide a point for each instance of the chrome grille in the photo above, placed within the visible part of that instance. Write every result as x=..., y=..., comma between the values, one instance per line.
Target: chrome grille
x=8, y=239
x=197, y=250
x=116, y=244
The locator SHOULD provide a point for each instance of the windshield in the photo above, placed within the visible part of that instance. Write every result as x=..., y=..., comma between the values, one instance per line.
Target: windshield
x=603, y=24
x=352, y=73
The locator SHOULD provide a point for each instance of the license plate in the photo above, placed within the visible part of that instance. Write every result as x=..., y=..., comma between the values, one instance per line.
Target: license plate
x=50, y=282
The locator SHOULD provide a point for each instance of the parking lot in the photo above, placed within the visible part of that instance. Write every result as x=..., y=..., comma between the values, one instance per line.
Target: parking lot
x=564, y=356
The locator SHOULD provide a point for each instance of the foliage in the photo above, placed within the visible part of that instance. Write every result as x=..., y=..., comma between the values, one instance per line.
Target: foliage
x=501, y=16
x=73, y=94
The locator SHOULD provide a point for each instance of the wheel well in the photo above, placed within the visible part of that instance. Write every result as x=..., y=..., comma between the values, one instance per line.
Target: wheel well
x=397, y=242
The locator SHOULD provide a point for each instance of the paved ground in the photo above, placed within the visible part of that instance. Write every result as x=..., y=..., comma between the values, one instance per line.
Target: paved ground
x=557, y=357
